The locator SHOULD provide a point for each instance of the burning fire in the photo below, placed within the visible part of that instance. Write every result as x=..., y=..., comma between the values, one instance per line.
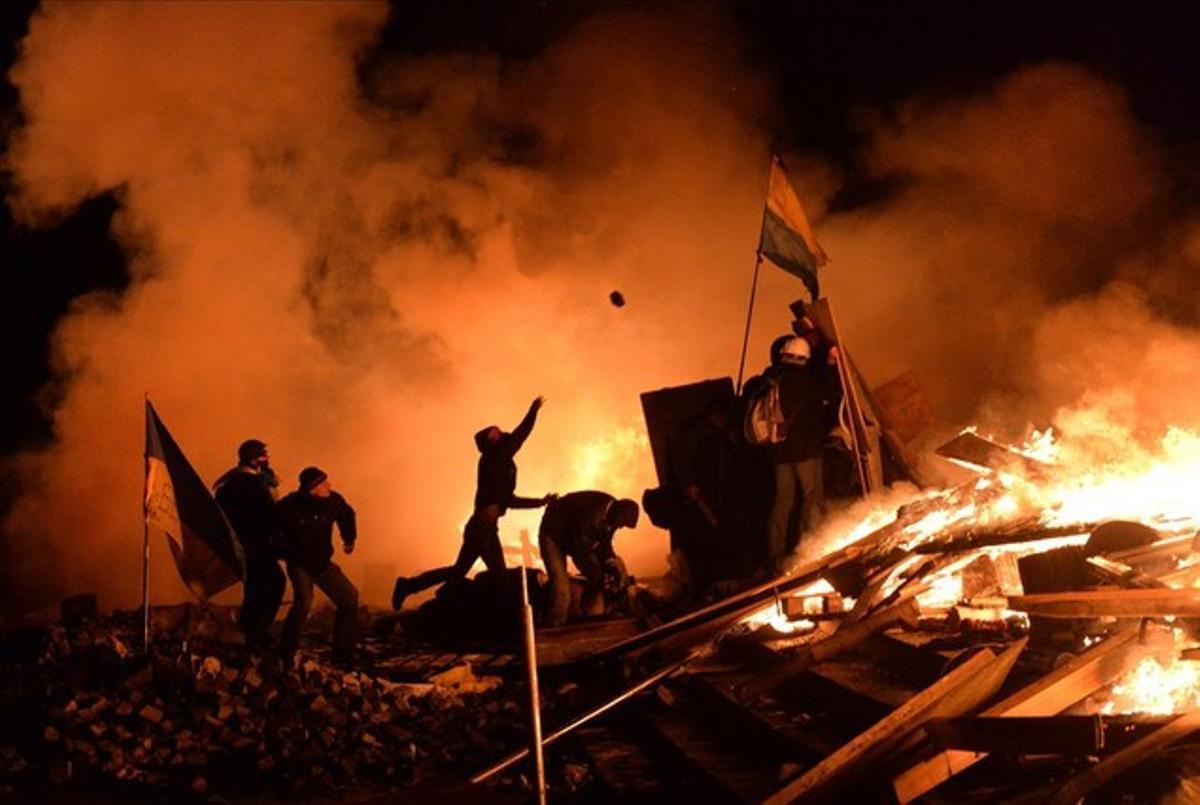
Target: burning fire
x=1094, y=470
x=1156, y=689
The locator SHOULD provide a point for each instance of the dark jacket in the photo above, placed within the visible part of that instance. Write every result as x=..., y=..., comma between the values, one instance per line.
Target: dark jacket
x=496, y=477
x=699, y=456
x=307, y=538
x=809, y=396
x=251, y=511
x=575, y=522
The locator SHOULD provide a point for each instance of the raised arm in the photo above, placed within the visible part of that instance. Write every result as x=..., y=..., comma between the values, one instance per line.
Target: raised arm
x=521, y=432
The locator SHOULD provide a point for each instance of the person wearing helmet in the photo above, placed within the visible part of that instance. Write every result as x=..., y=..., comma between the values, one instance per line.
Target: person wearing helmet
x=581, y=526
x=495, y=494
x=244, y=495
x=809, y=393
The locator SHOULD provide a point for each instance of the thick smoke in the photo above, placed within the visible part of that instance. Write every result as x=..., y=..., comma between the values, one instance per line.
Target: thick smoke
x=365, y=274
x=362, y=268
x=1032, y=258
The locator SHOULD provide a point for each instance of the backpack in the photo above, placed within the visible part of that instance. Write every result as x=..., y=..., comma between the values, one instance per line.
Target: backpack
x=765, y=423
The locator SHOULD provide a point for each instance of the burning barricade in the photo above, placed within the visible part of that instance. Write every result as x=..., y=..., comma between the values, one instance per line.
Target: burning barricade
x=1056, y=590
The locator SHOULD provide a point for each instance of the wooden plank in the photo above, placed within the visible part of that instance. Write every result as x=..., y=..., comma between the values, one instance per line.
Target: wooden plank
x=1122, y=575
x=957, y=692
x=983, y=454
x=1162, y=549
x=1082, y=784
x=843, y=639
x=1042, y=735
x=1051, y=694
x=1112, y=603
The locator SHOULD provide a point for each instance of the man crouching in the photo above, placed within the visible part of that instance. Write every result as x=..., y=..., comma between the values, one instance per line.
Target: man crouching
x=307, y=517
x=581, y=526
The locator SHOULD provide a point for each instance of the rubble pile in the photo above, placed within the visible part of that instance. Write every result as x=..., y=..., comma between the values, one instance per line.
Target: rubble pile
x=203, y=716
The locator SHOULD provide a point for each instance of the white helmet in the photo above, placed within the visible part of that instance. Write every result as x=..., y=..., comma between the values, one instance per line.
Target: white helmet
x=795, y=351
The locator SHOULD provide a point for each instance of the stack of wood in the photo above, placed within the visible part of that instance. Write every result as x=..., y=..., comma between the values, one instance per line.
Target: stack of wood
x=1013, y=662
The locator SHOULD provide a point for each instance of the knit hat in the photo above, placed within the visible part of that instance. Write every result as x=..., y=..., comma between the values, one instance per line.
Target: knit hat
x=250, y=450
x=310, y=477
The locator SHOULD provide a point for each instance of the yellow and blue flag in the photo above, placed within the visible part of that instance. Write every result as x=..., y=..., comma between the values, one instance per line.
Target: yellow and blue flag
x=787, y=239
x=202, y=543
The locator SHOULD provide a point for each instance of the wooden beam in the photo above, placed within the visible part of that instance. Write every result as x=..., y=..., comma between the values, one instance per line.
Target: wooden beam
x=1029, y=529
x=1042, y=735
x=1051, y=694
x=957, y=692
x=984, y=455
x=1122, y=575
x=843, y=639
x=1162, y=549
x=1082, y=784
x=1110, y=603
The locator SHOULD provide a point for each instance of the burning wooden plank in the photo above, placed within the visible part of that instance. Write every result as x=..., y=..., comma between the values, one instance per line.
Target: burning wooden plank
x=844, y=639
x=977, y=453
x=957, y=692
x=1109, y=603
x=1053, y=693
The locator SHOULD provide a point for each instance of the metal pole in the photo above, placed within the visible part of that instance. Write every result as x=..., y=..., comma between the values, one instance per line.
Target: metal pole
x=535, y=704
x=754, y=284
x=145, y=583
x=749, y=317
x=591, y=715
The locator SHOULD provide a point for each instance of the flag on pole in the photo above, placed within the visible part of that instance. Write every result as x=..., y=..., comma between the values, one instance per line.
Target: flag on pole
x=202, y=542
x=787, y=239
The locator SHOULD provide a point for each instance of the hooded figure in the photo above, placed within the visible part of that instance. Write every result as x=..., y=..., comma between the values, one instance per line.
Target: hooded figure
x=495, y=494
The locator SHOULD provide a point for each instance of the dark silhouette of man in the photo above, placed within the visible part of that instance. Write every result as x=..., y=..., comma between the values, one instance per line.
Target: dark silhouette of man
x=244, y=494
x=307, y=517
x=809, y=393
x=495, y=494
x=700, y=465
x=581, y=526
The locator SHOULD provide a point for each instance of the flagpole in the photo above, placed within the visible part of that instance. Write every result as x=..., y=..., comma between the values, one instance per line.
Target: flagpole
x=145, y=556
x=754, y=283
x=749, y=317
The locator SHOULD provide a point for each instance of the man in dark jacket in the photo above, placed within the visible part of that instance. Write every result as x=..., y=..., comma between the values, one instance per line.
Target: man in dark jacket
x=581, y=526
x=495, y=493
x=308, y=516
x=244, y=495
x=808, y=395
x=700, y=467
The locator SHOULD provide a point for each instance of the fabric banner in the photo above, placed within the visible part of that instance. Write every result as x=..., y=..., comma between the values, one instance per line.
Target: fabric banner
x=787, y=239
x=207, y=555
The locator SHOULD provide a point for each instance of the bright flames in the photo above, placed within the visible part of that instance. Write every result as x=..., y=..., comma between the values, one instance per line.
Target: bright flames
x=1156, y=689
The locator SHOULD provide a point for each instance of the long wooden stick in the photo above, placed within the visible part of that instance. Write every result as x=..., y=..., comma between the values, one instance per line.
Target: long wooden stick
x=1116, y=603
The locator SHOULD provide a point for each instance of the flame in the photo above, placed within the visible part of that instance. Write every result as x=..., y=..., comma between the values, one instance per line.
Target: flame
x=773, y=615
x=1155, y=688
